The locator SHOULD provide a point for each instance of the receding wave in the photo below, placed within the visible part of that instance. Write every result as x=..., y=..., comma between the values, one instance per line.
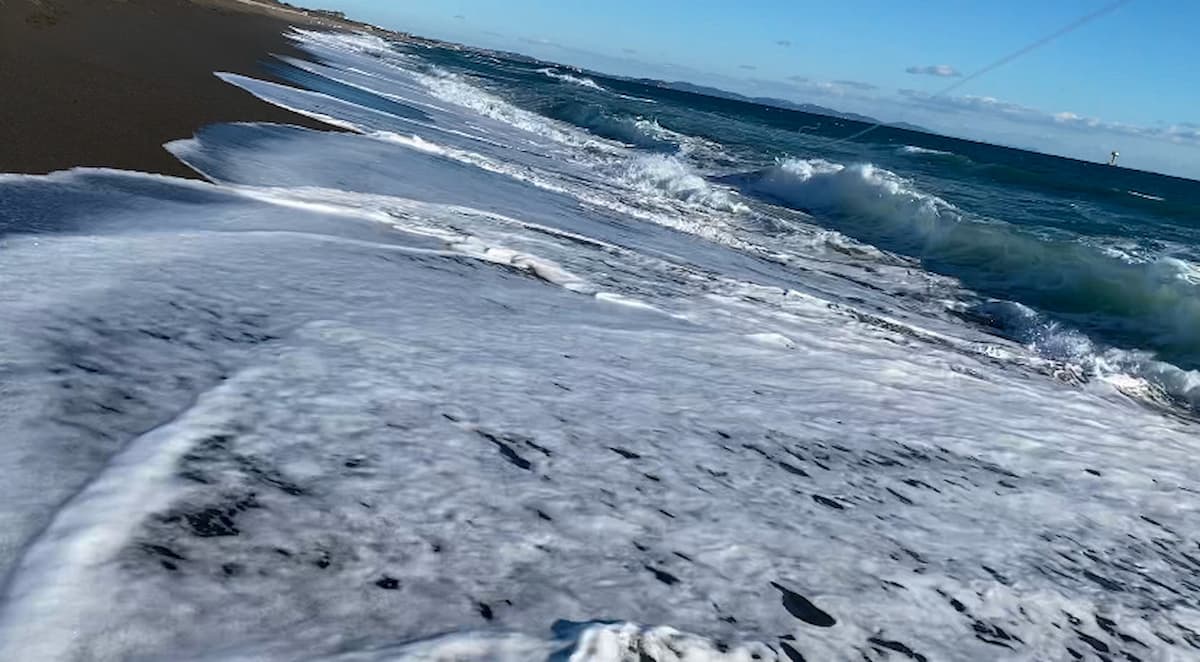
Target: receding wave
x=1150, y=304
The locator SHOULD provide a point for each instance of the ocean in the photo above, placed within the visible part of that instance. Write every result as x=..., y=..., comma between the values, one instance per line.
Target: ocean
x=535, y=363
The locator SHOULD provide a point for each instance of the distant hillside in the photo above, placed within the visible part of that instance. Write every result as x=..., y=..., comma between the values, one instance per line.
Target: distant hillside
x=811, y=108
x=912, y=127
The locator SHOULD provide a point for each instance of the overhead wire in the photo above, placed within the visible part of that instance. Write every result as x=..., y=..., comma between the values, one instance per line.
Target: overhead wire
x=1068, y=28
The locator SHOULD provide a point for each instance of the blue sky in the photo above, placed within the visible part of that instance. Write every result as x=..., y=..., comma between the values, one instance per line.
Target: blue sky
x=1129, y=80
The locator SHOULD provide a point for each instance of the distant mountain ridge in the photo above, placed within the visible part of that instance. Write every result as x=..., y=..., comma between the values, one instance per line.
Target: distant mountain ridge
x=810, y=108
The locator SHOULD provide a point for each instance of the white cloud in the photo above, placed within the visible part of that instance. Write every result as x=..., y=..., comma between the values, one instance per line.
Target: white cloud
x=540, y=41
x=1071, y=119
x=806, y=88
x=1182, y=133
x=1185, y=133
x=990, y=105
x=943, y=70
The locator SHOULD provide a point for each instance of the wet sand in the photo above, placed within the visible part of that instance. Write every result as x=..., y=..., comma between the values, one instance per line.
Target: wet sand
x=107, y=82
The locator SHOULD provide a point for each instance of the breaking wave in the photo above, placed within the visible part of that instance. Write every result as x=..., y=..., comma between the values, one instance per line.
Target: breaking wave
x=453, y=88
x=1137, y=373
x=1151, y=304
x=581, y=81
x=661, y=174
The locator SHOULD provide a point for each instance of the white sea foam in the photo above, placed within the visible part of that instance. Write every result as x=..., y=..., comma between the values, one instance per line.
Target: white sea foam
x=1163, y=289
x=385, y=425
x=668, y=175
x=452, y=88
x=1144, y=196
x=864, y=188
x=328, y=426
x=582, y=81
x=913, y=149
x=1136, y=373
x=41, y=601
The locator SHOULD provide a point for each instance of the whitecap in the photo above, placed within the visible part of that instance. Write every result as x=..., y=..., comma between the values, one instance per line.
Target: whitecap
x=581, y=81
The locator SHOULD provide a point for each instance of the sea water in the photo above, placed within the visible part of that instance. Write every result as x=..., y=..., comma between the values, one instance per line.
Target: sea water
x=532, y=363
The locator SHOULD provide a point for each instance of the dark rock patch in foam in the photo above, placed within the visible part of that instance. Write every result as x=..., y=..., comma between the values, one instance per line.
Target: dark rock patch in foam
x=213, y=520
x=792, y=469
x=663, y=576
x=539, y=448
x=898, y=647
x=827, y=502
x=388, y=583
x=791, y=653
x=627, y=454
x=511, y=456
x=802, y=608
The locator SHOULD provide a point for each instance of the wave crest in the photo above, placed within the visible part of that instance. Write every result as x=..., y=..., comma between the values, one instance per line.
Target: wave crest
x=660, y=174
x=1151, y=304
x=923, y=151
x=1136, y=373
x=454, y=89
x=581, y=81
x=635, y=131
x=863, y=190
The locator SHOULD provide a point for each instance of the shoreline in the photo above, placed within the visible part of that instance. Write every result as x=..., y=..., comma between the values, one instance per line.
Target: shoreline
x=105, y=83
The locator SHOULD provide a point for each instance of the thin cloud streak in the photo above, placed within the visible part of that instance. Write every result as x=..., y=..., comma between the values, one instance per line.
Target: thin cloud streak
x=940, y=70
x=1183, y=133
x=855, y=84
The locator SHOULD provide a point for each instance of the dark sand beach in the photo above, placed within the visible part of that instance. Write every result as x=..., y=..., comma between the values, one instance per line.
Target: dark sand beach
x=107, y=82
